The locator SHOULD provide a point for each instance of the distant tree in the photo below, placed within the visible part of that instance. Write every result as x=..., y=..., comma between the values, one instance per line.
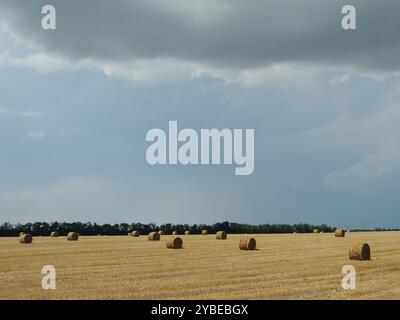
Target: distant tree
x=89, y=228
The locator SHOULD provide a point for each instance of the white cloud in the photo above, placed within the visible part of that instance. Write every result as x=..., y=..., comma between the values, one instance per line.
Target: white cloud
x=172, y=71
x=372, y=138
x=24, y=114
x=280, y=74
x=39, y=62
x=341, y=79
x=34, y=136
x=368, y=174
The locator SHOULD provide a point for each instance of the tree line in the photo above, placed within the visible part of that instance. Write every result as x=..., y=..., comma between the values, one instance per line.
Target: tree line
x=93, y=229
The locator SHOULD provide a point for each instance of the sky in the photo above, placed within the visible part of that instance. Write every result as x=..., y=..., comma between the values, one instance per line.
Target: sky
x=76, y=104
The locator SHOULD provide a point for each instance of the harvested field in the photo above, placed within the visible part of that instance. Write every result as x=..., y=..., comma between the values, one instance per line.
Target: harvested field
x=283, y=267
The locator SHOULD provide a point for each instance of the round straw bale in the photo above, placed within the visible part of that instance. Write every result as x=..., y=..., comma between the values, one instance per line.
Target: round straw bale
x=204, y=232
x=316, y=231
x=135, y=233
x=25, y=238
x=360, y=251
x=72, y=236
x=247, y=243
x=174, y=233
x=160, y=232
x=174, y=243
x=54, y=234
x=340, y=233
x=21, y=233
x=129, y=234
x=154, y=236
x=187, y=232
x=221, y=235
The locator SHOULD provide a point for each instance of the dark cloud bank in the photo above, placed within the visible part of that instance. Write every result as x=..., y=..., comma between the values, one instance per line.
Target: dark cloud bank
x=235, y=34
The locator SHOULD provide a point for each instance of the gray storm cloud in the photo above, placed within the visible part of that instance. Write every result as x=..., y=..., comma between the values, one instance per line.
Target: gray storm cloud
x=232, y=34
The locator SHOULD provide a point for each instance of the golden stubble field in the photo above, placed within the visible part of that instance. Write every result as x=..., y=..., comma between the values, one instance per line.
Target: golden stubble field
x=300, y=266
